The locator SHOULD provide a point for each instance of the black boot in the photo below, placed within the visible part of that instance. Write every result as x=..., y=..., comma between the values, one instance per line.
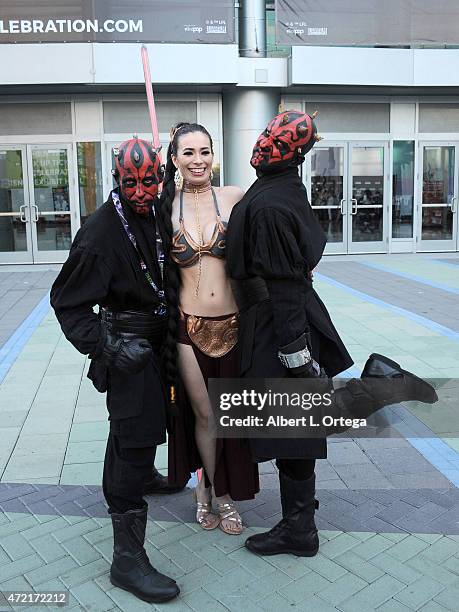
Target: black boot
x=158, y=484
x=131, y=569
x=383, y=382
x=296, y=533
x=404, y=385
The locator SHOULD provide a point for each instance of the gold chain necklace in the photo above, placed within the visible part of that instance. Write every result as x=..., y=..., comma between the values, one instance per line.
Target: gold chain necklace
x=197, y=188
x=200, y=240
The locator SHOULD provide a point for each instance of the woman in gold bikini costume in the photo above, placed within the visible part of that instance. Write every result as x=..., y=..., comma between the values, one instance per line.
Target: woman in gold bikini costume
x=202, y=337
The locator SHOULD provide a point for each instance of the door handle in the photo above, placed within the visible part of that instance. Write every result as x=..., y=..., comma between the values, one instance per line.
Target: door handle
x=22, y=211
x=453, y=204
x=37, y=213
x=354, y=206
x=341, y=205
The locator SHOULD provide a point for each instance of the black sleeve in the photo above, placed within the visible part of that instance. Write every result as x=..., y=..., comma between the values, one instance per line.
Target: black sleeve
x=82, y=283
x=277, y=259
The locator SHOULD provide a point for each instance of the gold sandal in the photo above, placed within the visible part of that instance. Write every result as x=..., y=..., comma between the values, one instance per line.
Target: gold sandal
x=227, y=512
x=204, y=513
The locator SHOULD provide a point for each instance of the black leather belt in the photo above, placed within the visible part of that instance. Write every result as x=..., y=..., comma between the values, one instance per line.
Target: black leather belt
x=249, y=292
x=133, y=323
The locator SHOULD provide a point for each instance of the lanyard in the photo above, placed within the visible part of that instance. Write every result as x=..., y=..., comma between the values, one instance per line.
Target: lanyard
x=161, y=309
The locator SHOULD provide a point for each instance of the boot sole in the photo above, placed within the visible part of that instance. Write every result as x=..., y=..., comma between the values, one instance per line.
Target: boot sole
x=297, y=553
x=427, y=389
x=142, y=597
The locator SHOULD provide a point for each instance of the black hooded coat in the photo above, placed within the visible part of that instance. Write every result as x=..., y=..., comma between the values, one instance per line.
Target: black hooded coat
x=103, y=268
x=273, y=234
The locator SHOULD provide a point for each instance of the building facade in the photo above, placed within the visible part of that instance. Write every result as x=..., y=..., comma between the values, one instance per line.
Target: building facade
x=385, y=177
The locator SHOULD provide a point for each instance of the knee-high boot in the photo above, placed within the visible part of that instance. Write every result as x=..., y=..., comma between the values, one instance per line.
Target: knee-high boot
x=383, y=382
x=296, y=533
x=131, y=569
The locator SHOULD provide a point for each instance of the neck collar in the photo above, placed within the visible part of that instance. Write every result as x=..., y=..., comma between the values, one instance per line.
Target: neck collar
x=189, y=188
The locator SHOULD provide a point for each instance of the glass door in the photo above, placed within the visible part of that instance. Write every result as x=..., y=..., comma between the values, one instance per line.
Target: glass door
x=15, y=229
x=368, y=191
x=348, y=187
x=51, y=202
x=437, y=221
x=327, y=192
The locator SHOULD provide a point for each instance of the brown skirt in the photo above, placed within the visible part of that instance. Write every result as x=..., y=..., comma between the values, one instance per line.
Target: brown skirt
x=235, y=472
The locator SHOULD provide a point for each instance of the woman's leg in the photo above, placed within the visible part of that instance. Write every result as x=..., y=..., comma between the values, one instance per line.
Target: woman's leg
x=205, y=438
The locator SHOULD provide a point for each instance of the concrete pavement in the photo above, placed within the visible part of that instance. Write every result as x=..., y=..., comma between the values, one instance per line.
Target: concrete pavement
x=389, y=513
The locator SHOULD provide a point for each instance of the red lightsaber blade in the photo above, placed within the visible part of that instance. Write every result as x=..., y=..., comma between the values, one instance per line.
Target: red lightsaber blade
x=150, y=97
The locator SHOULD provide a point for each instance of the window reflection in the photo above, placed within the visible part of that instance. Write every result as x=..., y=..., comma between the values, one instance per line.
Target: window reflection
x=90, y=184
x=327, y=167
x=12, y=230
x=438, y=175
x=368, y=193
x=403, y=189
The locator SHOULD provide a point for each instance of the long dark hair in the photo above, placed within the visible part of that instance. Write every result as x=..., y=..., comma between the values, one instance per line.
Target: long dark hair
x=172, y=273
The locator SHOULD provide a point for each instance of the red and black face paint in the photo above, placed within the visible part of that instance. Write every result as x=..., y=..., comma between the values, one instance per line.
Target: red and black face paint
x=139, y=173
x=284, y=142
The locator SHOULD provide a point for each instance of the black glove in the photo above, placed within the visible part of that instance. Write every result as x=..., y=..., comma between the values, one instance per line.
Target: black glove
x=130, y=356
x=307, y=370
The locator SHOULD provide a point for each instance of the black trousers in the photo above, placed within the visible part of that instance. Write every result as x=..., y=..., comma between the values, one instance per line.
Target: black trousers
x=126, y=469
x=297, y=469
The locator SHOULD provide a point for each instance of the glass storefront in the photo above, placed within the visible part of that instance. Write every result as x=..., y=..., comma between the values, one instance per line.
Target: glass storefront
x=369, y=193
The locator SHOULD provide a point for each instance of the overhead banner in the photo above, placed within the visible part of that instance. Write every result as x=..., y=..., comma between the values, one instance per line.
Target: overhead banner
x=181, y=21
x=367, y=22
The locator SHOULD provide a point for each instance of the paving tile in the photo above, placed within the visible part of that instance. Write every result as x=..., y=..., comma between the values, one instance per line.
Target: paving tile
x=258, y=566
x=432, y=606
x=81, y=528
x=339, y=545
x=16, y=546
x=405, y=572
x=81, y=551
x=87, y=432
x=393, y=606
x=92, y=451
x=276, y=603
x=201, y=601
x=448, y=597
x=373, y=595
x=419, y=592
x=216, y=559
x=290, y=565
x=49, y=570
x=21, y=522
x=203, y=577
x=311, y=584
x=372, y=547
x=19, y=567
x=182, y=556
x=232, y=581
x=75, y=575
x=407, y=548
x=91, y=597
x=342, y=589
x=269, y=584
x=36, y=530
x=235, y=602
x=177, y=533
x=441, y=550
x=47, y=547
x=358, y=566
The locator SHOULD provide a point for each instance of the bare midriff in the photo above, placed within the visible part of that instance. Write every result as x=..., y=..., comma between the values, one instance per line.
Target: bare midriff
x=215, y=297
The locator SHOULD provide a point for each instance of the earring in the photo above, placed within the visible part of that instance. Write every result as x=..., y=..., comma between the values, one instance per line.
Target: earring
x=211, y=175
x=178, y=179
